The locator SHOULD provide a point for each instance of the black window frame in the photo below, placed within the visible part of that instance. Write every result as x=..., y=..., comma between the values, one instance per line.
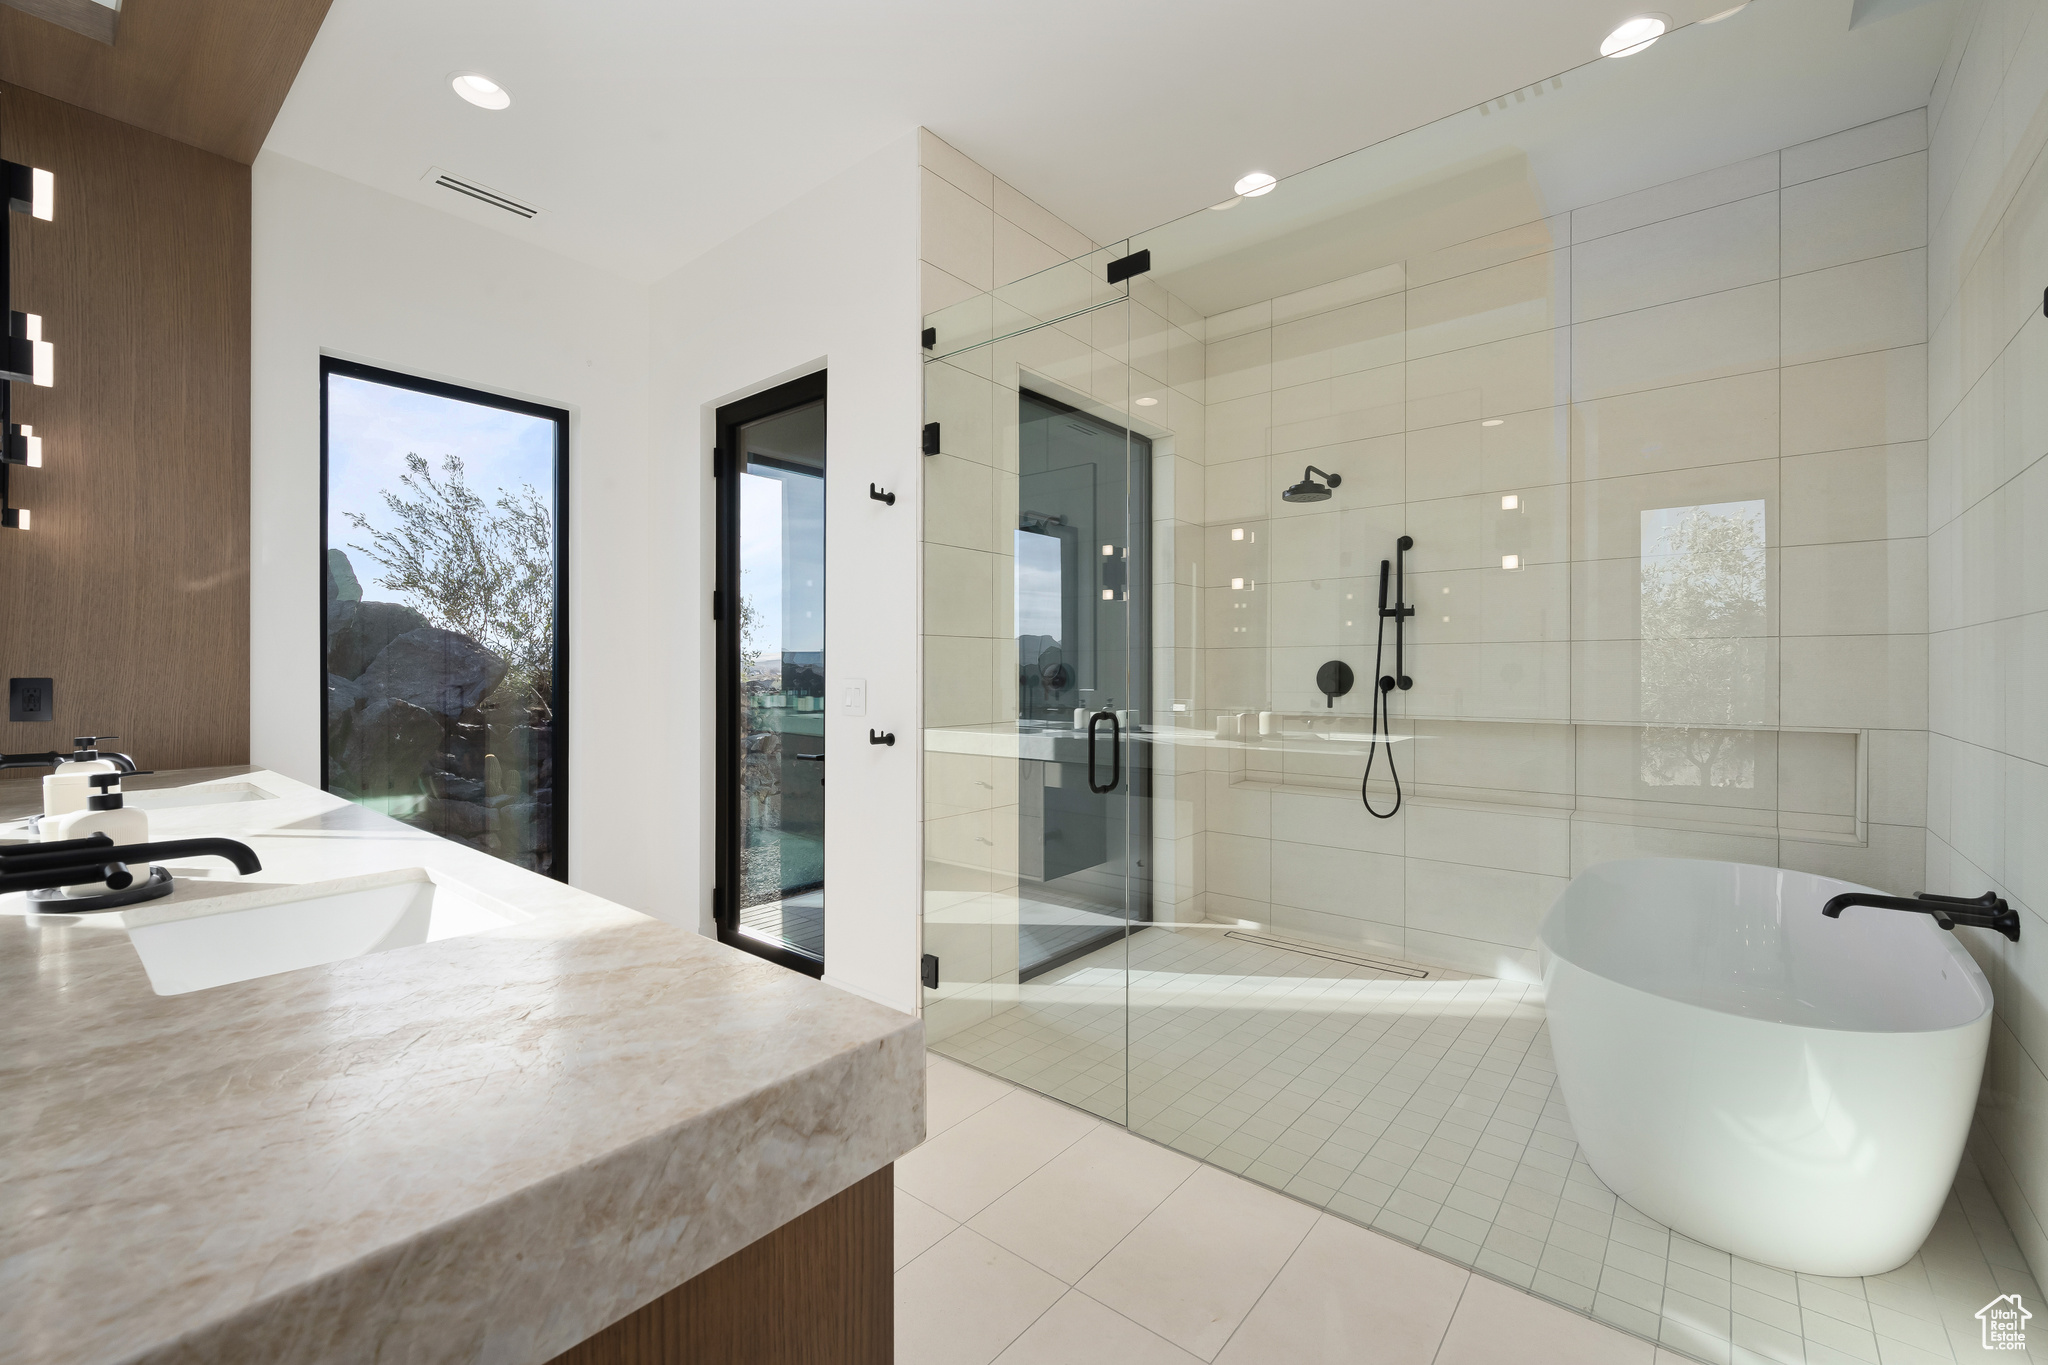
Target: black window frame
x=353, y=369
x=731, y=417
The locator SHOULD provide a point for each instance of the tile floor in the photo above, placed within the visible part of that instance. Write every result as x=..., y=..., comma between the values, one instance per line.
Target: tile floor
x=1425, y=1107
x=1029, y=1233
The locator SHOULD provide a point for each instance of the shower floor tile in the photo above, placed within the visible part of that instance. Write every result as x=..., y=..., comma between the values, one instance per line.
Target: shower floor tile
x=1428, y=1109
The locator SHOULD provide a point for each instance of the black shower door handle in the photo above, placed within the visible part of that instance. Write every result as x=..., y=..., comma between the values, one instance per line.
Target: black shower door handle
x=1116, y=752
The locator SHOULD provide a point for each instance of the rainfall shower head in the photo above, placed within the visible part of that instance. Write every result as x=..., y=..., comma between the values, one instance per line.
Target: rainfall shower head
x=1308, y=490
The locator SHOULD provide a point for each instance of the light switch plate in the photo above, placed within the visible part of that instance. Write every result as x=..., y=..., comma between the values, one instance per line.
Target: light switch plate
x=855, y=696
x=31, y=700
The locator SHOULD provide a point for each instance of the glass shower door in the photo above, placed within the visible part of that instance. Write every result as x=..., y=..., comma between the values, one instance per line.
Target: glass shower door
x=1037, y=605
x=1079, y=582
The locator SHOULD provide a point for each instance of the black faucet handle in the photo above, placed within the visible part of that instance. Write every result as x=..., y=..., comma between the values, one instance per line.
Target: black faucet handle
x=12, y=854
x=1990, y=900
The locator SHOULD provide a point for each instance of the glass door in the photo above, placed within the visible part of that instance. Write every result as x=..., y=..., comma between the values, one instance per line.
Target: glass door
x=1081, y=588
x=1037, y=618
x=771, y=675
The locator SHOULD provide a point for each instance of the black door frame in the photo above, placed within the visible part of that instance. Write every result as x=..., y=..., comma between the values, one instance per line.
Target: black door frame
x=725, y=907
x=351, y=369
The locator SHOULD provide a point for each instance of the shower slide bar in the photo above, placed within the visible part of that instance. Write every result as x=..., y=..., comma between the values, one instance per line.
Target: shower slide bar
x=1385, y=683
x=1400, y=611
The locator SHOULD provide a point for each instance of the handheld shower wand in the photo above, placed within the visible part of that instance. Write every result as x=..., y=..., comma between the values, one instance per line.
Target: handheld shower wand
x=1385, y=683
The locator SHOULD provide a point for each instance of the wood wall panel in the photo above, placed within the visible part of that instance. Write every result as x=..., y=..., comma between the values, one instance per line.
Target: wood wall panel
x=816, y=1291
x=210, y=73
x=132, y=588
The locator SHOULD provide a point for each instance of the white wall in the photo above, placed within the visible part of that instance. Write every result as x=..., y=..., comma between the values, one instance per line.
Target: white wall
x=1987, y=390
x=341, y=269
x=829, y=281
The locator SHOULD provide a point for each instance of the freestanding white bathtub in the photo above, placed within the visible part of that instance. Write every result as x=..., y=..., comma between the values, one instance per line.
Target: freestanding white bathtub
x=1790, y=1088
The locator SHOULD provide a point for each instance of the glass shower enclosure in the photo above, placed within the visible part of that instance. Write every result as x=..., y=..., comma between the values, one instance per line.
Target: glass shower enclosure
x=1537, y=378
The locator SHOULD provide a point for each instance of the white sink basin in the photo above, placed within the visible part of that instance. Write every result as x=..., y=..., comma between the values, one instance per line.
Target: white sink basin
x=211, y=794
x=198, y=944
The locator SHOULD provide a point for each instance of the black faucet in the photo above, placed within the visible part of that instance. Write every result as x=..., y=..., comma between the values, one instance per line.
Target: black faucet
x=85, y=748
x=96, y=858
x=1987, y=911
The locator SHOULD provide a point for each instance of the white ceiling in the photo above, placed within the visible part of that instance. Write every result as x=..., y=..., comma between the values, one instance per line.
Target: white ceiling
x=649, y=131
x=1780, y=73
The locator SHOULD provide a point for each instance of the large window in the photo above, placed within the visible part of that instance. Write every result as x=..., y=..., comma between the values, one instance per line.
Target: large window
x=445, y=678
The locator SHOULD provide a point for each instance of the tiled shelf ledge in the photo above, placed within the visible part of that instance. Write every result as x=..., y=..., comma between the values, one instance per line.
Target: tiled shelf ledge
x=1564, y=807
x=1817, y=792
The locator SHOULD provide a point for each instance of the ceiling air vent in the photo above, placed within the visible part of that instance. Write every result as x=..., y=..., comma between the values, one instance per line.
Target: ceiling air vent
x=481, y=193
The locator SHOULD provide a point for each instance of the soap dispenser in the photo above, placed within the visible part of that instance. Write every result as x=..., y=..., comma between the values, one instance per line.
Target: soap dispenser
x=65, y=791
x=106, y=813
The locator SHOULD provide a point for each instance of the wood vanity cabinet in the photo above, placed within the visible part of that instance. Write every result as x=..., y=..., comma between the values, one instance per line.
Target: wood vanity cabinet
x=816, y=1291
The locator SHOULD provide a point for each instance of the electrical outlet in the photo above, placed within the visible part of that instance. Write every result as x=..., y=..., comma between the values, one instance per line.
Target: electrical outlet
x=31, y=700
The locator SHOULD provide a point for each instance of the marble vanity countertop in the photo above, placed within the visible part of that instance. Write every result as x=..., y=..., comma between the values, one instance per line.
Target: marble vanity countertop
x=480, y=1149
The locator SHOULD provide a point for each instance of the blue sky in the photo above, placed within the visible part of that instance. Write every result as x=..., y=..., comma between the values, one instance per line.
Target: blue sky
x=371, y=426
x=761, y=558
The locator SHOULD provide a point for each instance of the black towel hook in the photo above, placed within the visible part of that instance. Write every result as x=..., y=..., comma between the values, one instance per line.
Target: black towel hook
x=881, y=737
x=879, y=496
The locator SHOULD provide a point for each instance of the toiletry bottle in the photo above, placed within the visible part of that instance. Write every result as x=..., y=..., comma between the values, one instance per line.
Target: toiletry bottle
x=65, y=790
x=105, y=813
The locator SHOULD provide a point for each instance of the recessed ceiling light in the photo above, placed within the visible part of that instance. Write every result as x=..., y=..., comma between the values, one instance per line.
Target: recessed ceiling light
x=1726, y=13
x=1511, y=561
x=1148, y=402
x=1258, y=183
x=1634, y=35
x=481, y=91
x=1493, y=421
x=1510, y=502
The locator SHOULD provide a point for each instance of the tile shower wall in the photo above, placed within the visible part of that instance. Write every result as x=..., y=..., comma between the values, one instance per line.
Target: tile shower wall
x=1664, y=461
x=1747, y=344
x=1987, y=824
